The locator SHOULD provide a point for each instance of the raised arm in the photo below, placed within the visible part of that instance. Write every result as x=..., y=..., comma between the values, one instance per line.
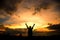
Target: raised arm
x=26, y=25
x=33, y=26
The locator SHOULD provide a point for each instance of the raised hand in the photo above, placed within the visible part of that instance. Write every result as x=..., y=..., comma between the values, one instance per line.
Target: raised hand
x=33, y=26
x=26, y=25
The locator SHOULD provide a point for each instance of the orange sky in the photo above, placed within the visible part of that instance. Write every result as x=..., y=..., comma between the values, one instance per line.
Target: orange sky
x=27, y=17
x=40, y=19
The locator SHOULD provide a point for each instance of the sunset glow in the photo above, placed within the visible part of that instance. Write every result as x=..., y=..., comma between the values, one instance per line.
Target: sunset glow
x=24, y=14
x=27, y=17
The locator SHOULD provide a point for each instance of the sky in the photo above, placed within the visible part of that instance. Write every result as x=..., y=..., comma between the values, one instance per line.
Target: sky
x=15, y=13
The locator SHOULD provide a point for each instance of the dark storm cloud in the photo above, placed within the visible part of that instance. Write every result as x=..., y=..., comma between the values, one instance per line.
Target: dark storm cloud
x=55, y=27
x=56, y=1
x=57, y=8
x=42, y=4
x=8, y=5
x=45, y=3
x=4, y=19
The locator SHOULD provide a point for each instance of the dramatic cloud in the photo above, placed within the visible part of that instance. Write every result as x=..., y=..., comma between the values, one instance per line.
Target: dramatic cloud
x=37, y=11
x=7, y=8
x=2, y=20
x=55, y=27
x=9, y=5
x=44, y=4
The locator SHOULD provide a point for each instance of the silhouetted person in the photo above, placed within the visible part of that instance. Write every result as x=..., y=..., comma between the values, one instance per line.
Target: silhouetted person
x=30, y=29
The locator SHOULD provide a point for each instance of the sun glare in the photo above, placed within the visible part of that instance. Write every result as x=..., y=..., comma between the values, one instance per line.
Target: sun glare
x=22, y=25
x=29, y=20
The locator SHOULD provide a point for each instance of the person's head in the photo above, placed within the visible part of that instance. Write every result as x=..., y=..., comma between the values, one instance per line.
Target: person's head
x=29, y=26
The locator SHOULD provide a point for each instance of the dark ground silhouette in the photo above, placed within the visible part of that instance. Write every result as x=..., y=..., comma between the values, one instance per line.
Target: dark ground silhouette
x=11, y=31
x=8, y=37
